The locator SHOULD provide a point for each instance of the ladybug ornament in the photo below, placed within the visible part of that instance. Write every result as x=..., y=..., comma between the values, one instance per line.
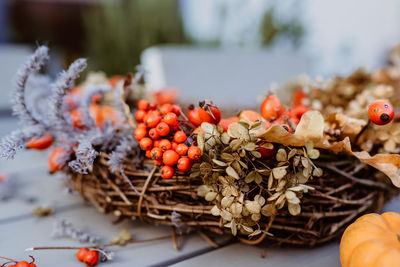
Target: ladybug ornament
x=381, y=112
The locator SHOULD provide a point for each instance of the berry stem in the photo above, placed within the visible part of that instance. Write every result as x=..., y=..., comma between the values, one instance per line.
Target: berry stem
x=8, y=259
x=102, y=246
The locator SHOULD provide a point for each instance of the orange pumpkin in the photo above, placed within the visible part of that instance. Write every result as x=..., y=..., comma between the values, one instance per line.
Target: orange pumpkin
x=373, y=240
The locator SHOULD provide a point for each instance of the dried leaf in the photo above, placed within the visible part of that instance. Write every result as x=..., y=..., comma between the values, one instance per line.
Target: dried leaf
x=279, y=172
x=281, y=155
x=231, y=172
x=225, y=138
x=294, y=209
x=210, y=196
x=202, y=190
x=220, y=163
x=215, y=211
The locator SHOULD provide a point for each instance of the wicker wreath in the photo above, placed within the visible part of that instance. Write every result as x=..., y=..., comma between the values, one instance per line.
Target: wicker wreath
x=338, y=198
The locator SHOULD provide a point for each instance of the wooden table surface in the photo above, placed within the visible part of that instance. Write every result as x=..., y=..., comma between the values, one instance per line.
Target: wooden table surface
x=19, y=229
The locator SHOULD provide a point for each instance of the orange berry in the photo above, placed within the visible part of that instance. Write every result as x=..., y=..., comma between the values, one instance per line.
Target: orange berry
x=152, y=120
x=170, y=119
x=209, y=113
x=167, y=172
x=22, y=264
x=154, y=134
x=166, y=108
x=91, y=258
x=156, y=143
x=182, y=149
x=162, y=129
x=176, y=109
x=175, y=127
x=184, y=164
x=156, y=153
x=142, y=125
x=140, y=133
x=55, y=160
x=271, y=107
x=170, y=157
x=114, y=80
x=153, y=106
x=81, y=253
x=40, y=143
x=146, y=143
x=143, y=104
x=139, y=115
x=165, y=144
x=381, y=112
x=148, y=154
x=194, y=153
x=174, y=145
x=180, y=137
x=193, y=116
x=76, y=119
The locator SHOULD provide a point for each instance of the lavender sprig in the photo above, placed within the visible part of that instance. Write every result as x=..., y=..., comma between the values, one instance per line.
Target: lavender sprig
x=87, y=120
x=118, y=156
x=33, y=64
x=64, y=83
x=64, y=228
x=85, y=156
x=15, y=141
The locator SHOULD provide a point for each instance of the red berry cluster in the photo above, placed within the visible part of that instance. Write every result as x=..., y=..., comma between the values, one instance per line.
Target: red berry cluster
x=89, y=257
x=18, y=263
x=161, y=136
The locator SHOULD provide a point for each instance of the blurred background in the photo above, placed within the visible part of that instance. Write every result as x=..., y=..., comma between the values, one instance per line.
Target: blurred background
x=227, y=50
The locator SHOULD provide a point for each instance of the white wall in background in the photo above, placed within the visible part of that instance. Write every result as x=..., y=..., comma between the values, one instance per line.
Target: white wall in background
x=341, y=34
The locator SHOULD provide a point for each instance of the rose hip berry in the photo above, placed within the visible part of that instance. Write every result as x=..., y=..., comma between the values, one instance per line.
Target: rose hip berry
x=167, y=172
x=194, y=153
x=381, y=112
x=170, y=157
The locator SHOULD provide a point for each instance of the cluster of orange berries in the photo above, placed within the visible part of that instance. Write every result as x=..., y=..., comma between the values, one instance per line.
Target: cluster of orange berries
x=89, y=257
x=18, y=263
x=161, y=136
x=274, y=112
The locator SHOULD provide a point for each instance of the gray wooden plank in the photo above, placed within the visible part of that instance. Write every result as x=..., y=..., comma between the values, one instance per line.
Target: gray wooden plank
x=36, y=232
x=241, y=255
x=34, y=182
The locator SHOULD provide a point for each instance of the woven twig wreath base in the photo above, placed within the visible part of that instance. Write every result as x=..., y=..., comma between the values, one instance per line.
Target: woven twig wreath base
x=339, y=197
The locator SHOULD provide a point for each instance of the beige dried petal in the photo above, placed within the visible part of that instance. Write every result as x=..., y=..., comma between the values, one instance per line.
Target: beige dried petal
x=279, y=172
x=281, y=155
x=268, y=210
x=296, y=161
x=235, y=144
x=231, y=172
x=208, y=128
x=290, y=195
x=317, y=172
x=274, y=196
x=313, y=154
x=247, y=229
x=210, y=196
x=305, y=162
x=236, y=209
x=250, y=146
x=260, y=199
x=226, y=201
x=225, y=138
x=252, y=206
x=270, y=181
x=294, y=200
x=215, y=211
x=226, y=215
x=281, y=185
x=281, y=199
x=220, y=163
x=291, y=154
x=256, y=154
x=256, y=217
x=294, y=209
x=255, y=233
x=234, y=228
x=202, y=190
